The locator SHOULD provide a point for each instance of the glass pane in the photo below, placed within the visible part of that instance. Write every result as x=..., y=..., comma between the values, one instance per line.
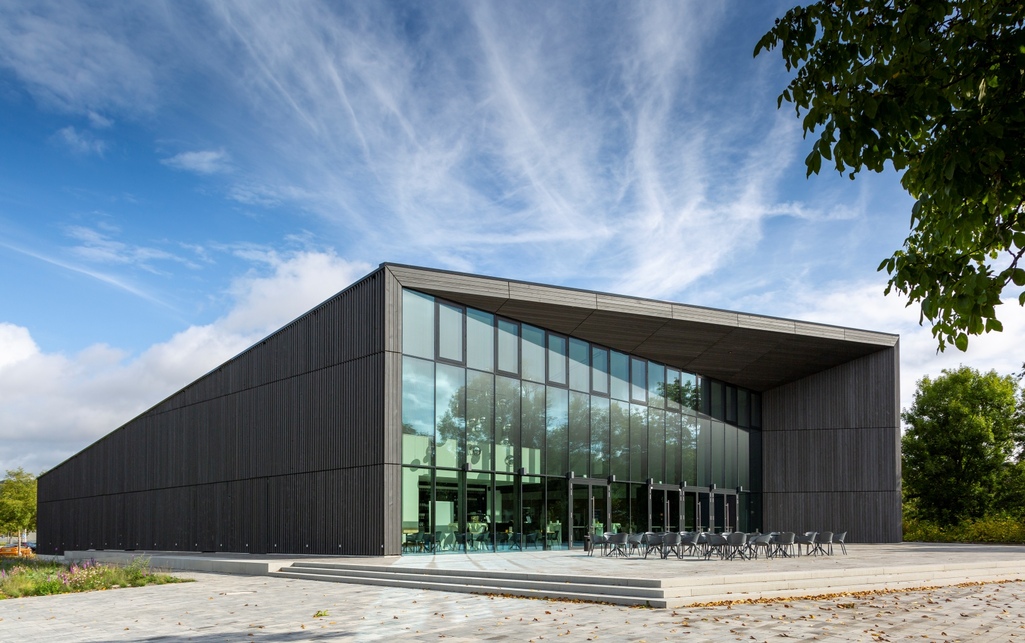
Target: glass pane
x=656, y=385
x=704, y=446
x=557, y=359
x=638, y=508
x=620, y=507
x=717, y=460
x=743, y=460
x=638, y=377
x=672, y=389
x=688, y=452
x=446, y=509
x=417, y=411
x=533, y=353
x=599, y=436
x=450, y=332
x=600, y=370
x=619, y=449
x=579, y=432
x=717, y=408
x=579, y=365
x=480, y=419
x=479, y=512
x=480, y=340
x=731, y=404
x=743, y=408
x=417, y=324
x=508, y=346
x=507, y=508
x=534, y=521
x=416, y=510
x=730, y=479
x=756, y=410
x=532, y=427
x=557, y=420
x=674, y=447
x=450, y=415
x=507, y=423
x=556, y=529
x=657, y=445
x=620, y=376
x=638, y=443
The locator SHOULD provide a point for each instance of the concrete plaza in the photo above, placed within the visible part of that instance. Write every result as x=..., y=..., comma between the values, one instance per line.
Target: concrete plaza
x=223, y=607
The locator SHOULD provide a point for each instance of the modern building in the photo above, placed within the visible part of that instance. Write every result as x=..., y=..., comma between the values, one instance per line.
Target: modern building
x=426, y=410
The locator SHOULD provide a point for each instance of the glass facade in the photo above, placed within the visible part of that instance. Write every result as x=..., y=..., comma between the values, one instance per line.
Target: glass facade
x=516, y=437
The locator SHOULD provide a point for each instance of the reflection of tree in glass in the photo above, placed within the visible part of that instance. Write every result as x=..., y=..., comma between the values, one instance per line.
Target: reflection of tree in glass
x=685, y=393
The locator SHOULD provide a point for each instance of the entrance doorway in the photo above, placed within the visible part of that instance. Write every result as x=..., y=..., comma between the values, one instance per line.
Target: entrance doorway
x=589, y=510
x=665, y=506
x=725, y=507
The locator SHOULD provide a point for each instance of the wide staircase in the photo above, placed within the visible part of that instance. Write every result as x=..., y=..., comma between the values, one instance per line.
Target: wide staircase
x=707, y=586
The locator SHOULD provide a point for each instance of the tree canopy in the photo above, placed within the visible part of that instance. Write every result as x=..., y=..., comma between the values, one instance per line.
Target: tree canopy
x=17, y=502
x=963, y=433
x=937, y=89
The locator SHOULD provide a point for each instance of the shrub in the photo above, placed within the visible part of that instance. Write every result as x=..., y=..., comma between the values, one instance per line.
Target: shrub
x=991, y=529
x=27, y=577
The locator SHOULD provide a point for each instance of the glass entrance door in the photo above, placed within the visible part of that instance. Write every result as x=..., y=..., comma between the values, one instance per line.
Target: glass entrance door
x=590, y=511
x=664, y=508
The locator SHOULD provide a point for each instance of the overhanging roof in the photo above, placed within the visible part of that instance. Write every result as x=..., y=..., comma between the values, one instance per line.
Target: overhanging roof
x=752, y=351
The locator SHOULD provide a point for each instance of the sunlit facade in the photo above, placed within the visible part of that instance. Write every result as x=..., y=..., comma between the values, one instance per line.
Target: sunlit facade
x=517, y=436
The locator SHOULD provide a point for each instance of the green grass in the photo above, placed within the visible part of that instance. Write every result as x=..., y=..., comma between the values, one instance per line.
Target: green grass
x=996, y=529
x=30, y=577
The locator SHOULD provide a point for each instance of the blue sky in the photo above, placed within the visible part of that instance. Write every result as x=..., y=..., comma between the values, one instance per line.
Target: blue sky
x=179, y=179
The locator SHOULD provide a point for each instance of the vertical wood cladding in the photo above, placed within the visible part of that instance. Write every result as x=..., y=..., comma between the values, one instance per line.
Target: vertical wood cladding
x=831, y=445
x=281, y=449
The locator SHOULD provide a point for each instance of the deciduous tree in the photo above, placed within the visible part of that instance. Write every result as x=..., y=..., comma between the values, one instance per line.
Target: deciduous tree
x=18, y=502
x=960, y=445
x=936, y=89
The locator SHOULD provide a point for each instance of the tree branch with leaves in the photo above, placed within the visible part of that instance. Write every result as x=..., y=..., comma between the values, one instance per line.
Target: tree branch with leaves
x=935, y=88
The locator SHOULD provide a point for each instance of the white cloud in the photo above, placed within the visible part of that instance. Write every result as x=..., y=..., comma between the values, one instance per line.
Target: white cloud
x=99, y=121
x=16, y=345
x=80, y=142
x=77, y=57
x=52, y=405
x=200, y=162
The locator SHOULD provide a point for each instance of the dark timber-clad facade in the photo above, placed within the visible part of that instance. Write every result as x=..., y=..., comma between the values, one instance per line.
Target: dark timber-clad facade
x=428, y=410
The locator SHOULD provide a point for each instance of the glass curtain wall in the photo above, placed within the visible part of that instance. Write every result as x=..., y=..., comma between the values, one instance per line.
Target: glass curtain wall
x=499, y=417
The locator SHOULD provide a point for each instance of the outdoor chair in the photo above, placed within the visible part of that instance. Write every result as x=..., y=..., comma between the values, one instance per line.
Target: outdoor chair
x=839, y=540
x=715, y=544
x=689, y=543
x=598, y=540
x=736, y=545
x=783, y=544
x=635, y=541
x=671, y=543
x=760, y=541
x=617, y=545
x=806, y=540
x=652, y=542
x=823, y=544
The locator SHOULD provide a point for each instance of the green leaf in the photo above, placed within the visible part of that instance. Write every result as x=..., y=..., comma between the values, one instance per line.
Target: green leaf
x=961, y=342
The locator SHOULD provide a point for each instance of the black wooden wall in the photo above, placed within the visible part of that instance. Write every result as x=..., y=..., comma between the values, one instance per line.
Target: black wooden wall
x=280, y=449
x=831, y=445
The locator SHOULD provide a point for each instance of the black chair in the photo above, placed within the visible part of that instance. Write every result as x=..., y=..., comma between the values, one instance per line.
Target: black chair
x=671, y=543
x=839, y=540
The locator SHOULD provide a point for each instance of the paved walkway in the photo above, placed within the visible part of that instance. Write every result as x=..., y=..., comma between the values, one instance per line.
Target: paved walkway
x=220, y=607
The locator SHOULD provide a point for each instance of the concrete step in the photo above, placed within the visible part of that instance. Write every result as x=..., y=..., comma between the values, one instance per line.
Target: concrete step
x=676, y=591
x=492, y=582
x=564, y=592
